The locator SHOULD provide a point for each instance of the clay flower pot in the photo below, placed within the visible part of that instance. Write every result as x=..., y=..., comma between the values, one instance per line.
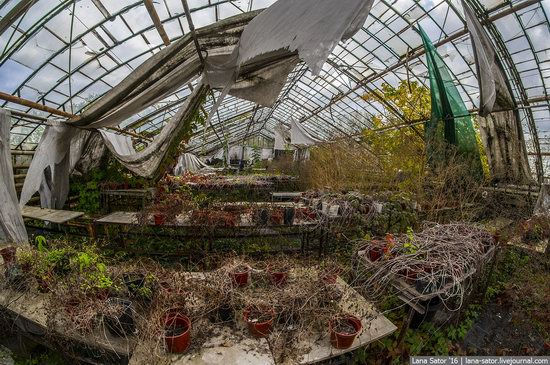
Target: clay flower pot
x=239, y=277
x=343, y=330
x=259, y=320
x=177, y=333
x=159, y=218
x=376, y=251
x=410, y=275
x=8, y=255
x=330, y=274
x=278, y=275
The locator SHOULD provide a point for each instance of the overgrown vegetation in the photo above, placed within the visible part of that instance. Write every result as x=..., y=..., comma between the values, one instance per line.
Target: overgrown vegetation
x=391, y=156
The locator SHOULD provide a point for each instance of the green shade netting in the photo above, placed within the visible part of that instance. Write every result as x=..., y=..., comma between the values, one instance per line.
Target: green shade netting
x=450, y=123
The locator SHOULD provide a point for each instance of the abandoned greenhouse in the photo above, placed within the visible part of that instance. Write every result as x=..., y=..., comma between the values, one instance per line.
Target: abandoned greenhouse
x=212, y=182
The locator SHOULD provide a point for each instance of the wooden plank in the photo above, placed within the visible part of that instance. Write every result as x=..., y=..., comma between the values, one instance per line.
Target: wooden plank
x=288, y=194
x=50, y=215
x=375, y=327
x=119, y=218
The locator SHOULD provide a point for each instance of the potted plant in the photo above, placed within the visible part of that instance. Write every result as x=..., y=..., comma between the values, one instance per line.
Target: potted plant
x=92, y=278
x=262, y=216
x=159, y=219
x=174, y=295
x=277, y=217
x=289, y=214
x=329, y=272
x=118, y=317
x=278, y=273
x=140, y=286
x=259, y=319
x=343, y=330
x=239, y=275
x=410, y=274
x=177, y=332
x=8, y=255
x=376, y=250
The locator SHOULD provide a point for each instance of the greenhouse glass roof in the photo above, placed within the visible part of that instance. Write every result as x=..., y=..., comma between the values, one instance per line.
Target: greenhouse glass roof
x=65, y=54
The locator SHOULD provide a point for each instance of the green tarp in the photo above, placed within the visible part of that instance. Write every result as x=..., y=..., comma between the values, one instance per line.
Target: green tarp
x=450, y=123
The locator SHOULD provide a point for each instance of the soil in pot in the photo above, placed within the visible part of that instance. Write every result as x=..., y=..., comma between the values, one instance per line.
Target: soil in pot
x=259, y=320
x=119, y=318
x=177, y=333
x=239, y=276
x=343, y=331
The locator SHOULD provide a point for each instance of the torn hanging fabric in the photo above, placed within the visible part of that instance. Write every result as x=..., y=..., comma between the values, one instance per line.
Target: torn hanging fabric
x=312, y=28
x=188, y=162
x=505, y=148
x=543, y=202
x=50, y=167
x=282, y=137
x=88, y=153
x=147, y=161
x=300, y=137
x=121, y=144
x=500, y=126
x=12, y=226
x=494, y=92
x=172, y=67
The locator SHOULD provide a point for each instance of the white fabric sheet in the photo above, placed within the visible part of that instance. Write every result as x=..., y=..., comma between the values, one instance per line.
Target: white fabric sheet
x=282, y=134
x=543, y=202
x=310, y=27
x=188, y=162
x=300, y=137
x=494, y=92
x=500, y=126
x=122, y=144
x=49, y=169
x=147, y=161
x=12, y=227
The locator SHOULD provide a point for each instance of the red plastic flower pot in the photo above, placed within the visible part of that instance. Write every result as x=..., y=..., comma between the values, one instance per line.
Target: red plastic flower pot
x=341, y=338
x=177, y=335
x=376, y=251
x=259, y=328
x=279, y=278
x=330, y=275
x=160, y=219
x=8, y=255
x=240, y=279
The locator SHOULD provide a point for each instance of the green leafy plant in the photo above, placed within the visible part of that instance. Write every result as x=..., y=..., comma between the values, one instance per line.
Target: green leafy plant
x=92, y=271
x=409, y=247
